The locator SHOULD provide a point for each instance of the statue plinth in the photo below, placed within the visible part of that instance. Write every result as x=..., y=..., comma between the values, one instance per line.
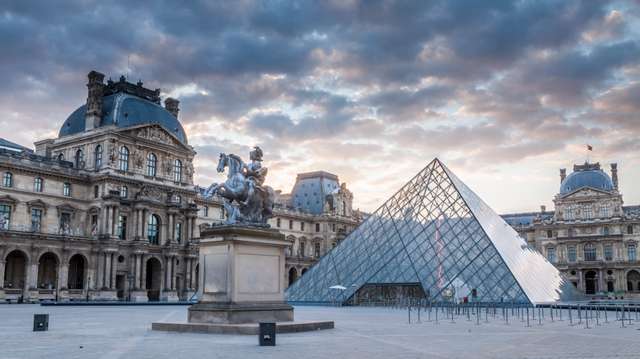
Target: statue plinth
x=242, y=281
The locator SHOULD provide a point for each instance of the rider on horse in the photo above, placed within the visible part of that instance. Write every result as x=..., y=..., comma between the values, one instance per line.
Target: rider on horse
x=254, y=173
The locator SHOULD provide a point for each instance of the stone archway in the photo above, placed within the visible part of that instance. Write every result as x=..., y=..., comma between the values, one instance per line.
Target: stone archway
x=154, y=279
x=76, y=277
x=48, y=271
x=304, y=270
x=590, y=282
x=15, y=271
x=293, y=275
x=633, y=281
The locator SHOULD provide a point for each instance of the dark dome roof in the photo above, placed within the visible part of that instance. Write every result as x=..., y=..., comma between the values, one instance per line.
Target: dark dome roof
x=125, y=110
x=594, y=178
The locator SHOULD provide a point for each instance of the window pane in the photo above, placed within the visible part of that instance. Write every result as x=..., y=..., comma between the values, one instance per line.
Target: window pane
x=5, y=216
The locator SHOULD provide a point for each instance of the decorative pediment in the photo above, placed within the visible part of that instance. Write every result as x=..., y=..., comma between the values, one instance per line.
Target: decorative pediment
x=37, y=203
x=66, y=208
x=154, y=133
x=150, y=193
x=585, y=192
x=6, y=199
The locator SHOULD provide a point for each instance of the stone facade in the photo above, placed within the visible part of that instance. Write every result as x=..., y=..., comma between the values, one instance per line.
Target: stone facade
x=589, y=236
x=108, y=210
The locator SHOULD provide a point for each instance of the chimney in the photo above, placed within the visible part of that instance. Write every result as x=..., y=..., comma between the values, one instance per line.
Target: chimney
x=614, y=175
x=543, y=208
x=171, y=104
x=95, y=91
x=563, y=174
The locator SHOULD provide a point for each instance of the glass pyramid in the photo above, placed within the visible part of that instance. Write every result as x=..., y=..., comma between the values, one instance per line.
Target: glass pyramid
x=439, y=234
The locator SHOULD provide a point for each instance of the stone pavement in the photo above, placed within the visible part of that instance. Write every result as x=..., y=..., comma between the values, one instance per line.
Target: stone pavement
x=124, y=332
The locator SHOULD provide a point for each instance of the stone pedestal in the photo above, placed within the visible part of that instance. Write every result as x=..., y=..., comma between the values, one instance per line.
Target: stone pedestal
x=242, y=281
x=139, y=296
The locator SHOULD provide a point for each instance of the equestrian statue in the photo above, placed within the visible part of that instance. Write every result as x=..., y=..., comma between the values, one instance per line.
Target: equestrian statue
x=247, y=201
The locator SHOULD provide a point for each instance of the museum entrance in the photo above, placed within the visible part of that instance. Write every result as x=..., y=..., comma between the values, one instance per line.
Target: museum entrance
x=75, y=279
x=590, y=282
x=48, y=272
x=120, y=280
x=379, y=293
x=15, y=272
x=154, y=279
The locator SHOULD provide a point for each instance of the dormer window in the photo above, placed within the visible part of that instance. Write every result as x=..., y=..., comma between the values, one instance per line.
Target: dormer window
x=152, y=162
x=61, y=157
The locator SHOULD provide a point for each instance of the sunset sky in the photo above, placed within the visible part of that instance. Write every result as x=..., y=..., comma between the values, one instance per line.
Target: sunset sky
x=504, y=92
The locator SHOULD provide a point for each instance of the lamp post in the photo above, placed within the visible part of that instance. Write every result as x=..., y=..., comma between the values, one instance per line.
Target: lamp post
x=88, y=285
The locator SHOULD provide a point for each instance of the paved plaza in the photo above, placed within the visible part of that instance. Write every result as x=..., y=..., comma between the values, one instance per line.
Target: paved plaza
x=124, y=332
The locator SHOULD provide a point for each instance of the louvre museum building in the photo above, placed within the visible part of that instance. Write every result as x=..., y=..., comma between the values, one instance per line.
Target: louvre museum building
x=108, y=209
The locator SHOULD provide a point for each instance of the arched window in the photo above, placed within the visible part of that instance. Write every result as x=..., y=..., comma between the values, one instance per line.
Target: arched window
x=61, y=157
x=98, y=156
x=153, y=229
x=38, y=184
x=7, y=179
x=152, y=161
x=79, y=160
x=124, y=158
x=124, y=192
x=177, y=171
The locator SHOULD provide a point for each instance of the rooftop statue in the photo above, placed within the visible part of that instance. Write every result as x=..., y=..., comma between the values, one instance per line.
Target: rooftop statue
x=246, y=199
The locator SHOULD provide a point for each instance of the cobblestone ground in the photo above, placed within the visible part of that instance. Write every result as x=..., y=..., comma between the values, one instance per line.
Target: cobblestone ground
x=124, y=332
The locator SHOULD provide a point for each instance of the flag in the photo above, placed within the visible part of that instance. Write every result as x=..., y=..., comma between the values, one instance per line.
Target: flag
x=589, y=148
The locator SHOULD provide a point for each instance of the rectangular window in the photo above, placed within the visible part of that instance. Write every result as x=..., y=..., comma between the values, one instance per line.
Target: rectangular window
x=206, y=211
x=629, y=229
x=572, y=254
x=65, y=223
x=37, y=184
x=587, y=212
x=608, y=252
x=122, y=227
x=589, y=252
x=290, y=224
x=551, y=255
x=178, y=233
x=316, y=250
x=124, y=191
x=333, y=227
x=301, y=250
x=549, y=234
x=317, y=227
x=5, y=216
x=604, y=211
x=278, y=222
x=66, y=189
x=96, y=191
x=36, y=219
x=302, y=226
x=631, y=252
x=7, y=179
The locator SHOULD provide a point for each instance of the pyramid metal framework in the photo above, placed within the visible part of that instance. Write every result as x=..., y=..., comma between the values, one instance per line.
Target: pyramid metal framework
x=436, y=232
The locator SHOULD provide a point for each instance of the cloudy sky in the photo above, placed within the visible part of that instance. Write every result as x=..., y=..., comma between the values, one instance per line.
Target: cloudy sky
x=504, y=92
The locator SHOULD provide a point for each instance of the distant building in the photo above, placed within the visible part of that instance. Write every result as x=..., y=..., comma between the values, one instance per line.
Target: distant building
x=590, y=236
x=108, y=209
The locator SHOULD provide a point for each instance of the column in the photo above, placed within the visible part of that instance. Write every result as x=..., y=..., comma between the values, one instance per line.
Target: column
x=136, y=272
x=113, y=270
x=143, y=232
x=187, y=273
x=2, y=266
x=103, y=220
x=167, y=273
x=580, y=281
x=32, y=276
x=99, y=270
x=114, y=220
x=170, y=230
x=143, y=280
x=194, y=277
x=193, y=227
x=63, y=275
x=601, y=285
x=173, y=273
x=107, y=270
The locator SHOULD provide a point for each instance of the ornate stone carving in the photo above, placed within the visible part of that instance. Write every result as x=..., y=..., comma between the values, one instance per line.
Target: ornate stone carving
x=150, y=193
x=155, y=134
x=138, y=158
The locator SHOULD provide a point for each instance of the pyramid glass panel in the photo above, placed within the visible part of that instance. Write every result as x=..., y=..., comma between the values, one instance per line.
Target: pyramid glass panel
x=437, y=234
